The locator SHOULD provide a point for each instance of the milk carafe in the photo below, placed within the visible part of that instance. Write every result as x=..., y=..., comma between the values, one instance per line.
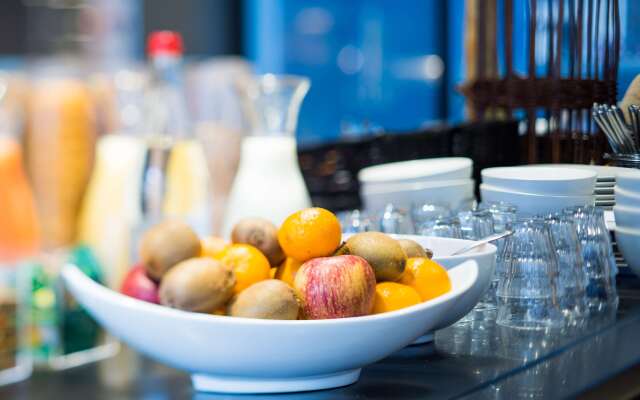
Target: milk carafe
x=269, y=183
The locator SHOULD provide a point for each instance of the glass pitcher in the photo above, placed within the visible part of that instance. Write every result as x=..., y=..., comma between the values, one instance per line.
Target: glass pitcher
x=269, y=183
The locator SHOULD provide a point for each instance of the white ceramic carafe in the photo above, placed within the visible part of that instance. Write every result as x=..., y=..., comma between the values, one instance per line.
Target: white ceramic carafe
x=269, y=183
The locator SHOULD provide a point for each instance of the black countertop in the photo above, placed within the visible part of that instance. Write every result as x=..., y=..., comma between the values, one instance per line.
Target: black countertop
x=485, y=361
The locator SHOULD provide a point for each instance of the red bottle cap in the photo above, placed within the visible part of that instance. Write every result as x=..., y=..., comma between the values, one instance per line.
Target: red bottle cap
x=164, y=42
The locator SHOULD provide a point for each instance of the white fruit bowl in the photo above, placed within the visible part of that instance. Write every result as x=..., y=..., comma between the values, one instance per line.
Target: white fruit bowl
x=240, y=355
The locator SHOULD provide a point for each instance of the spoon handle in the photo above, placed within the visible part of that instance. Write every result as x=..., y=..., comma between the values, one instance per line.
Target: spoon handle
x=482, y=241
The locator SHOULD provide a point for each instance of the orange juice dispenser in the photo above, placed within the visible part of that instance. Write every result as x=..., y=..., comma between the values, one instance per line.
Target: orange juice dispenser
x=19, y=239
x=61, y=132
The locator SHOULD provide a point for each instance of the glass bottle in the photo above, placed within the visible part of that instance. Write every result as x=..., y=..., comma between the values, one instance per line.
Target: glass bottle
x=175, y=179
x=19, y=239
x=269, y=183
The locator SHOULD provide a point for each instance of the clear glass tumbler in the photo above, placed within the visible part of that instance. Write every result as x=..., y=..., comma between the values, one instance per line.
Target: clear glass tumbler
x=528, y=294
x=424, y=212
x=597, y=255
x=476, y=224
x=572, y=278
x=395, y=220
x=441, y=227
x=355, y=221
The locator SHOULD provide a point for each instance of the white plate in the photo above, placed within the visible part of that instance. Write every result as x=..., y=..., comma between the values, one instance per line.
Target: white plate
x=628, y=241
x=627, y=217
x=557, y=181
x=241, y=355
x=446, y=168
x=532, y=204
x=403, y=195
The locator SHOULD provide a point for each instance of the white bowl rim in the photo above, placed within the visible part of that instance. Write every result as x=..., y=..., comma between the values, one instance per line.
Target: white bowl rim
x=629, y=173
x=143, y=306
x=414, y=186
x=622, y=192
x=517, y=173
x=627, y=231
x=486, y=186
x=608, y=172
x=413, y=169
x=627, y=209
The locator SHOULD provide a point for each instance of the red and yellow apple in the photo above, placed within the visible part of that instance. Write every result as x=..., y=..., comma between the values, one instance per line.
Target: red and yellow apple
x=138, y=285
x=335, y=287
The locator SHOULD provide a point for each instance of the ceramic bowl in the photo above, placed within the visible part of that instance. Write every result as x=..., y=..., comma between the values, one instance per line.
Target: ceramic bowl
x=454, y=193
x=241, y=355
x=533, y=204
x=605, y=173
x=627, y=217
x=626, y=198
x=629, y=180
x=484, y=256
x=417, y=171
x=628, y=241
x=555, y=181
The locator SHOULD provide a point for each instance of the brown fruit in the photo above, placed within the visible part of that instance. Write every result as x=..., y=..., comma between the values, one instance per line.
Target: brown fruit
x=270, y=299
x=198, y=284
x=263, y=235
x=413, y=249
x=165, y=245
x=382, y=252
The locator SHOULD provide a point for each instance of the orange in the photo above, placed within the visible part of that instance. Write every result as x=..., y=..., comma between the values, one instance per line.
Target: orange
x=310, y=233
x=213, y=246
x=272, y=273
x=248, y=263
x=428, y=277
x=391, y=296
x=286, y=272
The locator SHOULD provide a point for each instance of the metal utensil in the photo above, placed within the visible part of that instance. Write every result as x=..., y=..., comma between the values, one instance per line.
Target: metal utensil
x=482, y=241
x=634, y=114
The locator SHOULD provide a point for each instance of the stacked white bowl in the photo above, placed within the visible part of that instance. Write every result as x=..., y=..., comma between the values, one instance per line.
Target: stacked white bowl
x=627, y=216
x=538, y=190
x=437, y=180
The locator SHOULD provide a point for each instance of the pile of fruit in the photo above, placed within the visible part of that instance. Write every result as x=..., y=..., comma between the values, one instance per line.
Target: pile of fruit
x=301, y=271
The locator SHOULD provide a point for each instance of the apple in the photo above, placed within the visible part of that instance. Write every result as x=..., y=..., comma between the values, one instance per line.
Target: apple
x=138, y=285
x=335, y=287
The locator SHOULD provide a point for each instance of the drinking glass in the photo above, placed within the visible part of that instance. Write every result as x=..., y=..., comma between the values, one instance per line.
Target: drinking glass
x=597, y=255
x=422, y=213
x=355, y=221
x=528, y=295
x=571, y=275
x=476, y=224
x=395, y=220
x=441, y=227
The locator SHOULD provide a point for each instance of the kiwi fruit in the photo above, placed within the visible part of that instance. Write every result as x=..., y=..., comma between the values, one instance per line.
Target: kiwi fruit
x=269, y=299
x=383, y=253
x=413, y=249
x=263, y=235
x=198, y=284
x=165, y=245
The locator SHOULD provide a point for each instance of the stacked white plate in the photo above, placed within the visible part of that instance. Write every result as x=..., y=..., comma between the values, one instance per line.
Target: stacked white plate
x=538, y=189
x=627, y=216
x=436, y=180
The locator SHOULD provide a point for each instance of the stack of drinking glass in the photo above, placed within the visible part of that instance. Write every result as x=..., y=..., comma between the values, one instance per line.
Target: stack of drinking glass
x=553, y=271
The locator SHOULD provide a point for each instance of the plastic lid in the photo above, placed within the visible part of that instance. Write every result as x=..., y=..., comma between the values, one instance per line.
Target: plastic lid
x=164, y=42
